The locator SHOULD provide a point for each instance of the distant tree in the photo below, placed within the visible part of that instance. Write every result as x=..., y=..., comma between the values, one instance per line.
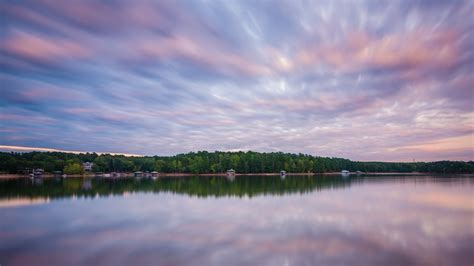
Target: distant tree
x=160, y=165
x=73, y=169
x=216, y=162
x=100, y=164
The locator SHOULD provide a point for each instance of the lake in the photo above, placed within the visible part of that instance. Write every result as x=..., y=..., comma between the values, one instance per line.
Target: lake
x=251, y=220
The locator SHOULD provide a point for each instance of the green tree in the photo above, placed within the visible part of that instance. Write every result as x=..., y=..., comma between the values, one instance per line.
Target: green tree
x=216, y=162
x=160, y=165
x=74, y=169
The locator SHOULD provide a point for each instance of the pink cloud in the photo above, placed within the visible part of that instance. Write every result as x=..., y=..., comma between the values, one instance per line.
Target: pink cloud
x=206, y=52
x=114, y=17
x=28, y=149
x=28, y=118
x=45, y=92
x=359, y=50
x=43, y=48
x=460, y=143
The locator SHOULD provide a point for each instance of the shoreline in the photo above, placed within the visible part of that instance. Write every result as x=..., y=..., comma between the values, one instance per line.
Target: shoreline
x=128, y=175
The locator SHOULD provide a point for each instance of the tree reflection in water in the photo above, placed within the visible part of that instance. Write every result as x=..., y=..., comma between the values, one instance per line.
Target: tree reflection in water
x=196, y=186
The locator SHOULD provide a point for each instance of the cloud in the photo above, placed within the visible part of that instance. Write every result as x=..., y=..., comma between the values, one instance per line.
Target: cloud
x=206, y=54
x=165, y=78
x=34, y=47
x=359, y=51
x=28, y=149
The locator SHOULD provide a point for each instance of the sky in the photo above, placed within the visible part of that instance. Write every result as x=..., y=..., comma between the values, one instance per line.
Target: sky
x=364, y=80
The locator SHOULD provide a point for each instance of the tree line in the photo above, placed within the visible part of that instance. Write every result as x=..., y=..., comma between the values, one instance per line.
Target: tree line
x=215, y=162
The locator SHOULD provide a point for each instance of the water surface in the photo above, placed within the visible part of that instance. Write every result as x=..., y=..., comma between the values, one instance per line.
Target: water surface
x=252, y=220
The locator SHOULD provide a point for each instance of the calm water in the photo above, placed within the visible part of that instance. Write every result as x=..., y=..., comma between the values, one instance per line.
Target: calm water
x=250, y=220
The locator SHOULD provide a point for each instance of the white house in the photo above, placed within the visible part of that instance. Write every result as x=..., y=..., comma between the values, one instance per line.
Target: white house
x=87, y=166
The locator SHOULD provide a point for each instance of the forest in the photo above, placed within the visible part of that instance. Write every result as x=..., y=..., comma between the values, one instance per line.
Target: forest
x=214, y=162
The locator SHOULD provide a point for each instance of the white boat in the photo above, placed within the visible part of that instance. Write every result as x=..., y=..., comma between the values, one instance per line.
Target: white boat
x=345, y=173
x=138, y=174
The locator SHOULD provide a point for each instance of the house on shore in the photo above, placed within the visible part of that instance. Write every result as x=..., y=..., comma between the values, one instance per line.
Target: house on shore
x=27, y=171
x=87, y=166
x=37, y=173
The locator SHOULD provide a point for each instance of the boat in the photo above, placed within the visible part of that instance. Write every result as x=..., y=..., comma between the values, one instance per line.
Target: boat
x=345, y=173
x=138, y=174
x=155, y=175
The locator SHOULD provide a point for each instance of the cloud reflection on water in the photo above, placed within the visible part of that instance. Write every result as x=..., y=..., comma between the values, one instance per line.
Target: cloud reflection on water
x=391, y=222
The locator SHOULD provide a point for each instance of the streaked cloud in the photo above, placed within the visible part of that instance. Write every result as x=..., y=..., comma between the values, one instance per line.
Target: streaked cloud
x=32, y=47
x=364, y=80
x=28, y=149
